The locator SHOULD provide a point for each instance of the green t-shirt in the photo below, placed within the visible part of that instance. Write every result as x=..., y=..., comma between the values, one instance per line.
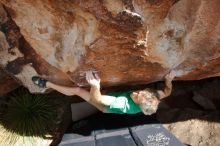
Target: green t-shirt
x=123, y=104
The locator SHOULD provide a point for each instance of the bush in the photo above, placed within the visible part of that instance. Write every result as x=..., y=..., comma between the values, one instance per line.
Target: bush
x=28, y=115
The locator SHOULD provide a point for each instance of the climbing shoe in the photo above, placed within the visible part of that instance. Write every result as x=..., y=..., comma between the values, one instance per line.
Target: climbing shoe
x=39, y=81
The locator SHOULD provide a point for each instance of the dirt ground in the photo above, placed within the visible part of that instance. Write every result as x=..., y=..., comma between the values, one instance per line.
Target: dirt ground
x=193, y=112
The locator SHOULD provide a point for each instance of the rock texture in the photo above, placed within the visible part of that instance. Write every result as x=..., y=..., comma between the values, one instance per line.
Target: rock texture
x=197, y=131
x=7, y=83
x=125, y=41
x=188, y=118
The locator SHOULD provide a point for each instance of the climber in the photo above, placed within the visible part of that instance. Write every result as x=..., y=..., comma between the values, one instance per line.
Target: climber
x=130, y=102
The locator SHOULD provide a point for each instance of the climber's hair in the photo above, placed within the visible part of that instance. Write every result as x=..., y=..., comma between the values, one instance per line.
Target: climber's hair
x=147, y=107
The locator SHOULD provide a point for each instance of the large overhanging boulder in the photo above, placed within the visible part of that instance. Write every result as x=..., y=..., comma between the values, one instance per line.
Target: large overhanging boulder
x=125, y=41
x=7, y=83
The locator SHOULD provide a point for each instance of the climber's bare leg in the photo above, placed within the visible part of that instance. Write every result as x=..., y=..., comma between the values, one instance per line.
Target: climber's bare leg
x=84, y=94
x=94, y=99
x=69, y=91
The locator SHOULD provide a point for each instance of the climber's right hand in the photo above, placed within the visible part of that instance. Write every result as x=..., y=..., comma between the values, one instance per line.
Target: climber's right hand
x=171, y=75
x=93, y=79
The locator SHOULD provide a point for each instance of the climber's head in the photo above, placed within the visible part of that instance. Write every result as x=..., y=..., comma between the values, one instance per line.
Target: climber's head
x=147, y=101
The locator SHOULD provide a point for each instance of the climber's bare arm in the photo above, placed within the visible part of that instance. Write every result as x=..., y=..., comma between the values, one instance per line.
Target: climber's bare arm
x=168, y=85
x=97, y=99
x=95, y=93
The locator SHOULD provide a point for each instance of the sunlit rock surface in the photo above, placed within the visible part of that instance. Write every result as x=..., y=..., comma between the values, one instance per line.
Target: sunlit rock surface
x=125, y=41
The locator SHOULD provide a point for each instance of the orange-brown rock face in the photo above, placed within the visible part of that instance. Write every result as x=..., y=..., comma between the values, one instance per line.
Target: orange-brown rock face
x=7, y=83
x=125, y=41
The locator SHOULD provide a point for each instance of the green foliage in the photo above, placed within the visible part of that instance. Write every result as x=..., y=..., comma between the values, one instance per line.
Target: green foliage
x=27, y=115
